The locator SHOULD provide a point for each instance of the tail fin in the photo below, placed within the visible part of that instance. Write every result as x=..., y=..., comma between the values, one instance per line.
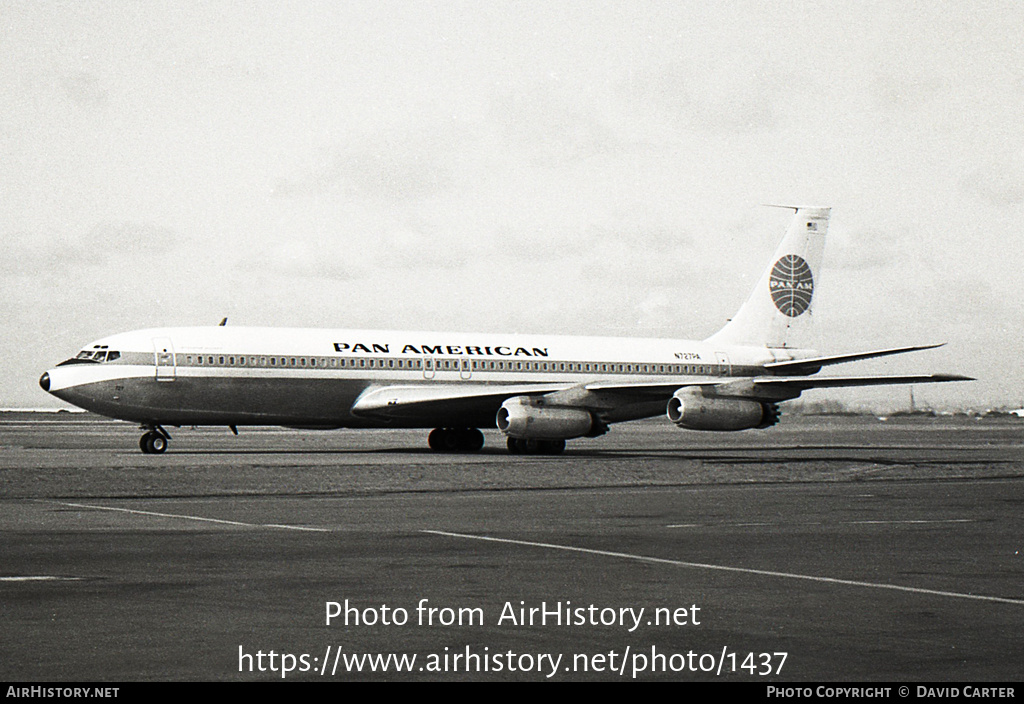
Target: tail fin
x=780, y=308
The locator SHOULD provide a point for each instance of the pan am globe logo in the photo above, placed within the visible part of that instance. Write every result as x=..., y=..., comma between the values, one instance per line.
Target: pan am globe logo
x=791, y=284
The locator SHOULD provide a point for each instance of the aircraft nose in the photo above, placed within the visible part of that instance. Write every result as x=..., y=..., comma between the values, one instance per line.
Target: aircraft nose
x=44, y=381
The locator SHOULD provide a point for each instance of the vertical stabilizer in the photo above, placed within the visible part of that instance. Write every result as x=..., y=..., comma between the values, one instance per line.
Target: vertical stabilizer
x=780, y=309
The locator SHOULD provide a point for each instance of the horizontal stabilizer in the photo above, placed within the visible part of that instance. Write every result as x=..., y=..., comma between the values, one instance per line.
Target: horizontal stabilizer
x=810, y=366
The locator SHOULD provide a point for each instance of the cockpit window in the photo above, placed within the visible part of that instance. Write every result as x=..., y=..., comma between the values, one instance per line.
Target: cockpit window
x=94, y=355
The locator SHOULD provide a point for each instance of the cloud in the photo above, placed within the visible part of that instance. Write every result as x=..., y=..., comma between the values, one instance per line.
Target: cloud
x=998, y=184
x=297, y=259
x=899, y=90
x=539, y=123
x=710, y=96
x=390, y=167
x=109, y=241
x=870, y=247
x=33, y=253
x=83, y=89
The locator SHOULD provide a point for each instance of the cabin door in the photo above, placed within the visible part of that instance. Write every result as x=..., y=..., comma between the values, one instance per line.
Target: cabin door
x=724, y=368
x=163, y=358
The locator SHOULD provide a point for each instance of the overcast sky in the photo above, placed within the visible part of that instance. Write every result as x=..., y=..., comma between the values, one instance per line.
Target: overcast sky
x=548, y=167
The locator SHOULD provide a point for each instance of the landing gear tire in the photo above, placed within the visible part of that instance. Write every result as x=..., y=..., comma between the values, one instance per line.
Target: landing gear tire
x=533, y=446
x=153, y=443
x=436, y=439
x=455, y=439
x=555, y=447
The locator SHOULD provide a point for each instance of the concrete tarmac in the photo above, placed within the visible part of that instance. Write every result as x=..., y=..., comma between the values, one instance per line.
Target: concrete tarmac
x=818, y=551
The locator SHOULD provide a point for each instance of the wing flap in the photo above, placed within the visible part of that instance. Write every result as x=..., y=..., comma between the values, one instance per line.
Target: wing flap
x=425, y=400
x=782, y=388
x=768, y=388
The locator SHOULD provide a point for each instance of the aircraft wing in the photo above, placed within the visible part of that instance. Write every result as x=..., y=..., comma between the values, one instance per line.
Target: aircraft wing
x=767, y=388
x=457, y=401
x=772, y=388
x=473, y=404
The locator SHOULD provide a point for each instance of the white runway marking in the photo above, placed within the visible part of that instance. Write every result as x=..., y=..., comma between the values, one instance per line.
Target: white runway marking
x=191, y=518
x=39, y=578
x=823, y=523
x=725, y=568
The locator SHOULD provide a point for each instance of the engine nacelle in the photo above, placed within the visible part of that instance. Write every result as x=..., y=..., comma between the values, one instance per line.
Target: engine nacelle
x=690, y=409
x=523, y=417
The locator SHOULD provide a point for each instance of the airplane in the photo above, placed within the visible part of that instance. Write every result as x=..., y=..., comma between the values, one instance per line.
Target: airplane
x=538, y=390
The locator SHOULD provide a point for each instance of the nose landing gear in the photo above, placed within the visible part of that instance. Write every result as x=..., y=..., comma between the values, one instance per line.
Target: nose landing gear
x=155, y=441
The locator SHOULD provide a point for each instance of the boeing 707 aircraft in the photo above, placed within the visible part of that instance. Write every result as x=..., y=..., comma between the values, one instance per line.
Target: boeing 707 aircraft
x=539, y=390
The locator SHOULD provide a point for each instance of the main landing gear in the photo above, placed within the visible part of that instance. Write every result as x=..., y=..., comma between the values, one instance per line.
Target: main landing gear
x=534, y=446
x=155, y=441
x=455, y=439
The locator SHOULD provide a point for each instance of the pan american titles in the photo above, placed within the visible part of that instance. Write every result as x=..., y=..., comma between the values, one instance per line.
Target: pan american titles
x=500, y=350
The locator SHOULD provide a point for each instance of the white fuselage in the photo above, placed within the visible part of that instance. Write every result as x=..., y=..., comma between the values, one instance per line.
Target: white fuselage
x=312, y=377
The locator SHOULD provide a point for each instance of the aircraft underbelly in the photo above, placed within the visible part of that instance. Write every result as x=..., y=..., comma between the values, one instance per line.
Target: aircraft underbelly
x=223, y=401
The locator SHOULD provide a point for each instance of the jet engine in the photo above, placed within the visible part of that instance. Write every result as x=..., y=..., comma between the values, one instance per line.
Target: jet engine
x=523, y=417
x=689, y=408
